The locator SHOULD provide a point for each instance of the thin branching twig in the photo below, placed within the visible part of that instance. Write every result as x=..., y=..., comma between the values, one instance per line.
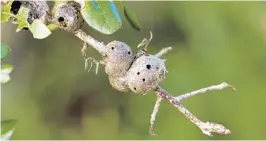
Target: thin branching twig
x=92, y=61
x=153, y=115
x=206, y=127
x=163, y=51
x=204, y=90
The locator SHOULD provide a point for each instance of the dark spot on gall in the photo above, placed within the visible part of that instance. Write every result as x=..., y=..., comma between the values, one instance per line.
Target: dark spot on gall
x=61, y=19
x=148, y=66
x=137, y=73
x=129, y=52
x=15, y=6
x=143, y=79
x=135, y=88
x=112, y=48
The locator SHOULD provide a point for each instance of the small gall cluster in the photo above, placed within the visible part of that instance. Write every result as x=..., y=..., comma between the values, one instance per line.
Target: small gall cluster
x=38, y=9
x=64, y=14
x=126, y=72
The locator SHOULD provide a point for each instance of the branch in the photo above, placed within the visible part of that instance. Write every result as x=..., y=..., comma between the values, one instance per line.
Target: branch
x=99, y=46
x=206, y=127
x=204, y=90
x=153, y=115
x=92, y=61
x=145, y=42
x=163, y=51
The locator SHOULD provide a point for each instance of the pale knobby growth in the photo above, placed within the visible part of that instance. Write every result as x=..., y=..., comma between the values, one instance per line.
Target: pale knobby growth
x=206, y=127
x=140, y=73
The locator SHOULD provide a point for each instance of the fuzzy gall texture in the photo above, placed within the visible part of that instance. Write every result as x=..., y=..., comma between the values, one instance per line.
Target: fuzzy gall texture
x=146, y=73
x=119, y=83
x=117, y=58
x=67, y=16
x=38, y=9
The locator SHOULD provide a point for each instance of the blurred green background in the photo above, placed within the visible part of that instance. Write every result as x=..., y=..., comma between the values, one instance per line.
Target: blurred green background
x=52, y=97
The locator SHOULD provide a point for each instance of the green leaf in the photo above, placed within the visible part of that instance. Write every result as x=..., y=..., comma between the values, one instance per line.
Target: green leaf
x=39, y=29
x=21, y=18
x=103, y=16
x=7, y=129
x=131, y=17
x=4, y=51
x=5, y=71
x=5, y=12
x=7, y=125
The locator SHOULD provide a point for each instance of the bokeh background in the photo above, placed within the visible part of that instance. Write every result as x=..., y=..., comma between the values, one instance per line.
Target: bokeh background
x=53, y=97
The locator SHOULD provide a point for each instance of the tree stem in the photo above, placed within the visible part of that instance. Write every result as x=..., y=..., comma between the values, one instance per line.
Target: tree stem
x=206, y=127
x=99, y=46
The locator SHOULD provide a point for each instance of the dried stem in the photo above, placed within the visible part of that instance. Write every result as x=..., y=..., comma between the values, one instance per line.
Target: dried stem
x=153, y=115
x=92, y=61
x=145, y=42
x=204, y=90
x=83, y=50
x=163, y=51
x=206, y=127
x=99, y=46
